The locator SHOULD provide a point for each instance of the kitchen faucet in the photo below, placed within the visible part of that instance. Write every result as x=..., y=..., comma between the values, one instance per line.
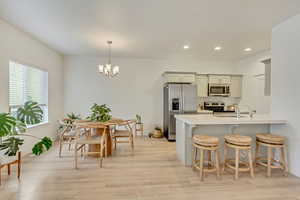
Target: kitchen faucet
x=238, y=111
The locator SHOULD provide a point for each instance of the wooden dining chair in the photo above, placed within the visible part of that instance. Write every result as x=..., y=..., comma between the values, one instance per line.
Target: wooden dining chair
x=88, y=139
x=7, y=161
x=66, y=136
x=126, y=131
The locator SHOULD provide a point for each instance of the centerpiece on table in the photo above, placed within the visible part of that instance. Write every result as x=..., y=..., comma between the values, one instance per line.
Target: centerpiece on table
x=100, y=113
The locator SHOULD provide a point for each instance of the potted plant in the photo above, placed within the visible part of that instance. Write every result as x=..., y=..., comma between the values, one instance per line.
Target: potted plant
x=13, y=128
x=100, y=113
x=69, y=120
x=157, y=133
x=138, y=119
x=71, y=117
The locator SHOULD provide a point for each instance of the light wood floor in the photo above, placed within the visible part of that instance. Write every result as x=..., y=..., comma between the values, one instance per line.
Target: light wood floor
x=151, y=173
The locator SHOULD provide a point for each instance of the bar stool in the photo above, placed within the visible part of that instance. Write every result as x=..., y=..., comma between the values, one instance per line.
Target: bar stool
x=211, y=145
x=272, y=142
x=238, y=143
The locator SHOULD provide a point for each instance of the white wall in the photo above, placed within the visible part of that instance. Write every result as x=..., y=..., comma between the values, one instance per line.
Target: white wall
x=253, y=87
x=18, y=46
x=138, y=89
x=285, y=82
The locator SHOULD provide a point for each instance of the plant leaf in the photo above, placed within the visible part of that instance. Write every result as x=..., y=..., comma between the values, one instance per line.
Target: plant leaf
x=42, y=146
x=73, y=116
x=11, y=145
x=30, y=113
x=7, y=124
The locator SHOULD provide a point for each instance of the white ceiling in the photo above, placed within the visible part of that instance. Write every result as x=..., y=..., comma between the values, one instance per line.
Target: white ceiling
x=151, y=28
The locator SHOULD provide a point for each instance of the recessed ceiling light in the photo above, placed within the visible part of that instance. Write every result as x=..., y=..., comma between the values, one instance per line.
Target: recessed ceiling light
x=218, y=48
x=186, y=46
x=248, y=49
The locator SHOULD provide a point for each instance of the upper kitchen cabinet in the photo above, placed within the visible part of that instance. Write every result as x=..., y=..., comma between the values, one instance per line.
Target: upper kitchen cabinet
x=179, y=77
x=202, y=85
x=236, y=86
x=219, y=79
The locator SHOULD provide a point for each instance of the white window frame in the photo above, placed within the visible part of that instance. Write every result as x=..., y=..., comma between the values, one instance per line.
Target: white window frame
x=13, y=108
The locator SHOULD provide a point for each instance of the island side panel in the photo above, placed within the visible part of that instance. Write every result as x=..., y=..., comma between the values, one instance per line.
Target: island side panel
x=180, y=141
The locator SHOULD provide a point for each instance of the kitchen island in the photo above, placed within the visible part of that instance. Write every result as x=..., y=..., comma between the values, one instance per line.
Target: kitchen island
x=189, y=125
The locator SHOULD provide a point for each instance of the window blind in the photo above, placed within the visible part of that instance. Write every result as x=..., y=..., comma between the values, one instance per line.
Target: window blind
x=27, y=83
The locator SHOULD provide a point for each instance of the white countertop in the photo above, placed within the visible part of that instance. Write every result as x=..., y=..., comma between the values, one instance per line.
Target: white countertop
x=214, y=120
x=205, y=111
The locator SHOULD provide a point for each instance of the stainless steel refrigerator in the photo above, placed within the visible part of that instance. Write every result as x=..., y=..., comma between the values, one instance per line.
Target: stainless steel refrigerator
x=178, y=99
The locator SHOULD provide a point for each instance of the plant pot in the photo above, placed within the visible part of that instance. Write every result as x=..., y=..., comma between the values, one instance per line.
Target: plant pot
x=157, y=134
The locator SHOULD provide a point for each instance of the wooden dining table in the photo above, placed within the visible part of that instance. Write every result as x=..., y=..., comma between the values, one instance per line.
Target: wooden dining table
x=97, y=129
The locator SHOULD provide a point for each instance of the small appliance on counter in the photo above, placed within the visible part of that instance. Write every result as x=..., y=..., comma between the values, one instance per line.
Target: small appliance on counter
x=231, y=108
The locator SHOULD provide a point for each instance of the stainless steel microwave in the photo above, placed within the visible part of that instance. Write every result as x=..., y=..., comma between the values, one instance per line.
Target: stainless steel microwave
x=218, y=90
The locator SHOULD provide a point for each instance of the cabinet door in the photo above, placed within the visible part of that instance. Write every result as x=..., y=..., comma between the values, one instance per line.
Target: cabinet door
x=214, y=80
x=225, y=79
x=202, y=85
x=180, y=78
x=219, y=79
x=172, y=78
x=236, y=86
x=187, y=78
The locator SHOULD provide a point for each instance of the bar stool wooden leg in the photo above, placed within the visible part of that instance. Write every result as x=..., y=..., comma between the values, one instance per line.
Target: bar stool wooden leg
x=251, y=163
x=201, y=163
x=217, y=163
x=237, y=161
x=209, y=156
x=195, y=156
x=256, y=154
x=225, y=157
x=269, y=161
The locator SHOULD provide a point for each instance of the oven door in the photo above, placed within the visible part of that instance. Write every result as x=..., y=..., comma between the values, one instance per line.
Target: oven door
x=218, y=90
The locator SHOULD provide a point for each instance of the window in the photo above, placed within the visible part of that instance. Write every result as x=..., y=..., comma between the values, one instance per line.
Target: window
x=27, y=83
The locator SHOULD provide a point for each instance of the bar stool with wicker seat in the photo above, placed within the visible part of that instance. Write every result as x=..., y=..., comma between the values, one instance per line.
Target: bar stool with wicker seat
x=272, y=142
x=238, y=143
x=211, y=145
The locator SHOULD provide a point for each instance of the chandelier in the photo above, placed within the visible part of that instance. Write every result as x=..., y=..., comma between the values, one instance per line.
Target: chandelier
x=107, y=69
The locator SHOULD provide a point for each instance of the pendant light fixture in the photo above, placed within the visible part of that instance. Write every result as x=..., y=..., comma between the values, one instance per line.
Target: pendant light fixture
x=107, y=69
